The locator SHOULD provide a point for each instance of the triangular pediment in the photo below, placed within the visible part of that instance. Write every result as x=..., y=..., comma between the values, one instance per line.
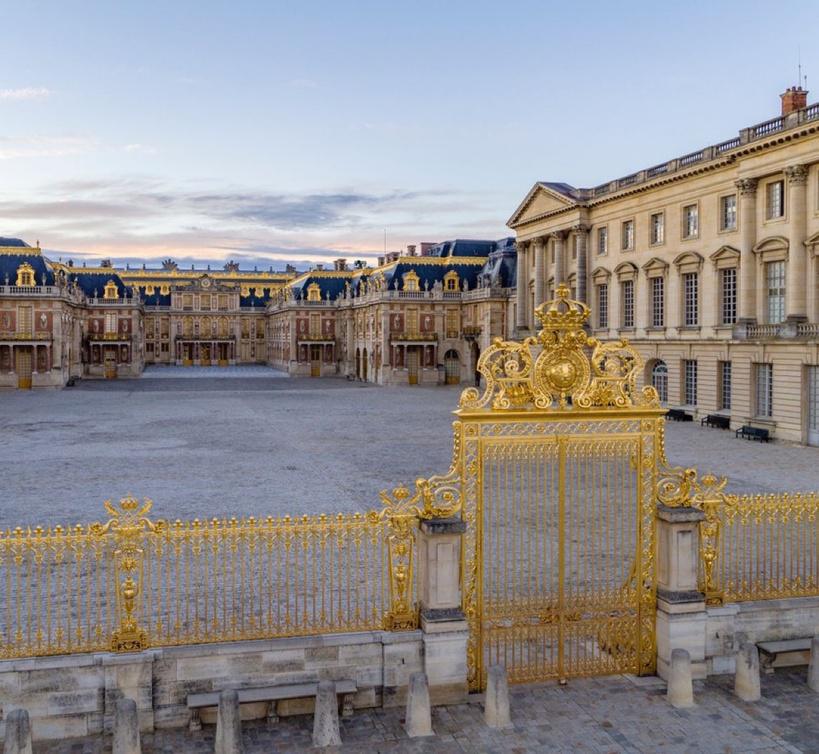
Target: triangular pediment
x=724, y=253
x=655, y=263
x=541, y=200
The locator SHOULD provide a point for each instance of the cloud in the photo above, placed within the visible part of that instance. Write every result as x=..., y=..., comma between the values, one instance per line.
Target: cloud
x=12, y=147
x=139, y=148
x=28, y=92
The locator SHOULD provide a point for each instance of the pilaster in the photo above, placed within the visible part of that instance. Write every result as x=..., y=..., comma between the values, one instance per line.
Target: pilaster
x=796, y=283
x=747, y=239
x=582, y=233
x=560, y=257
x=521, y=287
x=540, y=270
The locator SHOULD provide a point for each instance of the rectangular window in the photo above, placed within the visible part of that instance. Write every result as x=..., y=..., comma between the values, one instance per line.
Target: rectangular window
x=657, y=228
x=602, y=240
x=691, y=293
x=603, y=305
x=775, y=200
x=110, y=322
x=728, y=295
x=724, y=377
x=728, y=212
x=764, y=389
x=628, y=235
x=627, y=290
x=657, y=302
x=690, y=382
x=691, y=221
x=205, y=301
x=775, y=283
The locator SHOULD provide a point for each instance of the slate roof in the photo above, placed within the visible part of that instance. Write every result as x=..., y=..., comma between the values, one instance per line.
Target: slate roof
x=13, y=242
x=462, y=248
x=10, y=262
x=93, y=283
x=501, y=266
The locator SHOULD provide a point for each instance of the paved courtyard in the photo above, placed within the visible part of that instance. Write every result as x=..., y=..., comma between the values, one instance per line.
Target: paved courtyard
x=252, y=441
x=615, y=714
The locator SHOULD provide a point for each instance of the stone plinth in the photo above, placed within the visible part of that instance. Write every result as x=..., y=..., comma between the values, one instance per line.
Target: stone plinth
x=419, y=711
x=325, y=718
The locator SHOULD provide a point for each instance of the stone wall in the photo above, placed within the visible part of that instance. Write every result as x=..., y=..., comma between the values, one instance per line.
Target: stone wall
x=75, y=695
x=763, y=620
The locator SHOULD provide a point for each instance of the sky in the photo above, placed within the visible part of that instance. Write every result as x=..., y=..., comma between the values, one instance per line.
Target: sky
x=273, y=132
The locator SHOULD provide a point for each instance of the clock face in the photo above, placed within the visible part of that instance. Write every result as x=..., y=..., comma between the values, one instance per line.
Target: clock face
x=205, y=283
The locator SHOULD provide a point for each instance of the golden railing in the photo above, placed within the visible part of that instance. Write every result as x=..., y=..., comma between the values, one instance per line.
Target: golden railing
x=131, y=582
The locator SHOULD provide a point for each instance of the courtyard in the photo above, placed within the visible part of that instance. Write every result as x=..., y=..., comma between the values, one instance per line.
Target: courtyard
x=251, y=441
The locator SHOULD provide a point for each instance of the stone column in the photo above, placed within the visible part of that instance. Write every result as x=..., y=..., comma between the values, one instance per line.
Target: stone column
x=540, y=270
x=560, y=258
x=442, y=620
x=581, y=232
x=747, y=240
x=681, y=616
x=521, y=287
x=796, y=284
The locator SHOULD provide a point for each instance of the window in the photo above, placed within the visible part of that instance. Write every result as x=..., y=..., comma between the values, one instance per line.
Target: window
x=411, y=281
x=775, y=282
x=775, y=200
x=691, y=301
x=628, y=235
x=764, y=389
x=690, y=382
x=452, y=323
x=25, y=275
x=627, y=293
x=657, y=302
x=602, y=240
x=314, y=292
x=603, y=305
x=110, y=322
x=657, y=228
x=451, y=281
x=204, y=301
x=691, y=220
x=728, y=212
x=724, y=377
x=659, y=379
x=728, y=295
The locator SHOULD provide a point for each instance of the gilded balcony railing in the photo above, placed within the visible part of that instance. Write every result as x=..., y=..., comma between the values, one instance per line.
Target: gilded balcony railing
x=133, y=582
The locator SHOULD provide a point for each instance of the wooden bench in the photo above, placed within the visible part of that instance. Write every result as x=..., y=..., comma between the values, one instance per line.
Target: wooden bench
x=783, y=654
x=716, y=420
x=678, y=415
x=753, y=433
x=271, y=694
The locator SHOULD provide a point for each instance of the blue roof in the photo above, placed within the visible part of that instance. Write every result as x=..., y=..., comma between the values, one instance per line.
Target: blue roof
x=43, y=274
x=501, y=266
x=462, y=248
x=334, y=285
x=13, y=242
x=93, y=283
x=429, y=274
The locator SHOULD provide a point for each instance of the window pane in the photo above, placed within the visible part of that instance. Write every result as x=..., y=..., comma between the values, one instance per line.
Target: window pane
x=724, y=368
x=690, y=285
x=775, y=281
x=628, y=303
x=728, y=286
x=728, y=214
x=690, y=382
x=657, y=302
x=764, y=389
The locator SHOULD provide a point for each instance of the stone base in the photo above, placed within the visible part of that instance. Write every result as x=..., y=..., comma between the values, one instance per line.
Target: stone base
x=445, y=660
x=681, y=625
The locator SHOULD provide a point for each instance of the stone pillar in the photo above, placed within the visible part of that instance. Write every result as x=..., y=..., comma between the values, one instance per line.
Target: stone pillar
x=521, y=287
x=581, y=233
x=18, y=733
x=126, y=728
x=229, y=724
x=796, y=283
x=442, y=620
x=496, y=700
x=131, y=676
x=747, y=240
x=325, y=718
x=813, y=668
x=560, y=258
x=746, y=680
x=680, y=692
x=681, y=616
x=540, y=271
x=419, y=711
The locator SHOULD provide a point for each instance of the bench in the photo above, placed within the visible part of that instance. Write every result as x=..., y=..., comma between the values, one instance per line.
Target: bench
x=753, y=433
x=678, y=415
x=271, y=694
x=716, y=420
x=783, y=654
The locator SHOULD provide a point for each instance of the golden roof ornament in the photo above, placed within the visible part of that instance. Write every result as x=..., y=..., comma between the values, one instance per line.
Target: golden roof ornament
x=562, y=368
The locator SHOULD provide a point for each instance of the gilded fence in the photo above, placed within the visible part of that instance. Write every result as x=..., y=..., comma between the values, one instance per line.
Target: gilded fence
x=752, y=547
x=133, y=582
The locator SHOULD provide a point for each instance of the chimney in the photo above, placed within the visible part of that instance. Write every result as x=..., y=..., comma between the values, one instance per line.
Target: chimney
x=340, y=265
x=319, y=266
x=795, y=98
x=426, y=248
x=380, y=261
x=411, y=250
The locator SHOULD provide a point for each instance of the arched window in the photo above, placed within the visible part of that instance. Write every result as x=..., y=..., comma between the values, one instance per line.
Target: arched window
x=111, y=291
x=25, y=274
x=313, y=292
x=451, y=281
x=411, y=281
x=659, y=379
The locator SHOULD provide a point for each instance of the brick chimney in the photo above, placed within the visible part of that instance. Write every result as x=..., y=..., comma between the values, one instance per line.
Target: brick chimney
x=340, y=264
x=411, y=250
x=795, y=98
x=380, y=261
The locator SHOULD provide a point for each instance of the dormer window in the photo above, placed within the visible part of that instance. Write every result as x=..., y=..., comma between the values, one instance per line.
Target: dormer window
x=451, y=281
x=411, y=281
x=25, y=274
x=111, y=291
x=313, y=292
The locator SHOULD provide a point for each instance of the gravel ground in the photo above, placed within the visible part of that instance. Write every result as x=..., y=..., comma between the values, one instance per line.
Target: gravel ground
x=265, y=445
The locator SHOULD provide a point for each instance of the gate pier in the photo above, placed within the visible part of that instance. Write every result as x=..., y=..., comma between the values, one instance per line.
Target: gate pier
x=681, y=613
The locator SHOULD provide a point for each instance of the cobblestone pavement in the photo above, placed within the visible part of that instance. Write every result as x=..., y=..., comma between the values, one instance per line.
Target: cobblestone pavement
x=270, y=445
x=600, y=715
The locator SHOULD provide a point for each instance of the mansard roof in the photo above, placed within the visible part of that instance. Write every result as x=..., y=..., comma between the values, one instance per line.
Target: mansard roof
x=13, y=242
x=92, y=283
x=500, y=269
x=461, y=247
x=43, y=273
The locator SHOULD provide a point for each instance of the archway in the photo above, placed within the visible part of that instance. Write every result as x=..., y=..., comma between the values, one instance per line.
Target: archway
x=658, y=377
x=452, y=367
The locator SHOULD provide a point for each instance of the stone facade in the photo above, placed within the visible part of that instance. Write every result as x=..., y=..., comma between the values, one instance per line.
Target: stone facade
x=707, y=263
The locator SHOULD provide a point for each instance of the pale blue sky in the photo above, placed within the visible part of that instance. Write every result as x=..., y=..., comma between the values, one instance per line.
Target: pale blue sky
x=299, y=130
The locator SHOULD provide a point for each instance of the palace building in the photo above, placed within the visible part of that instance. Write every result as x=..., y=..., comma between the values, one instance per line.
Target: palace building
x=706, y=263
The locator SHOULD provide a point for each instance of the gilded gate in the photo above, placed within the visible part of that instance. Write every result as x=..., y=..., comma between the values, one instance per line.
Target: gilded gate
x=558, y=461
